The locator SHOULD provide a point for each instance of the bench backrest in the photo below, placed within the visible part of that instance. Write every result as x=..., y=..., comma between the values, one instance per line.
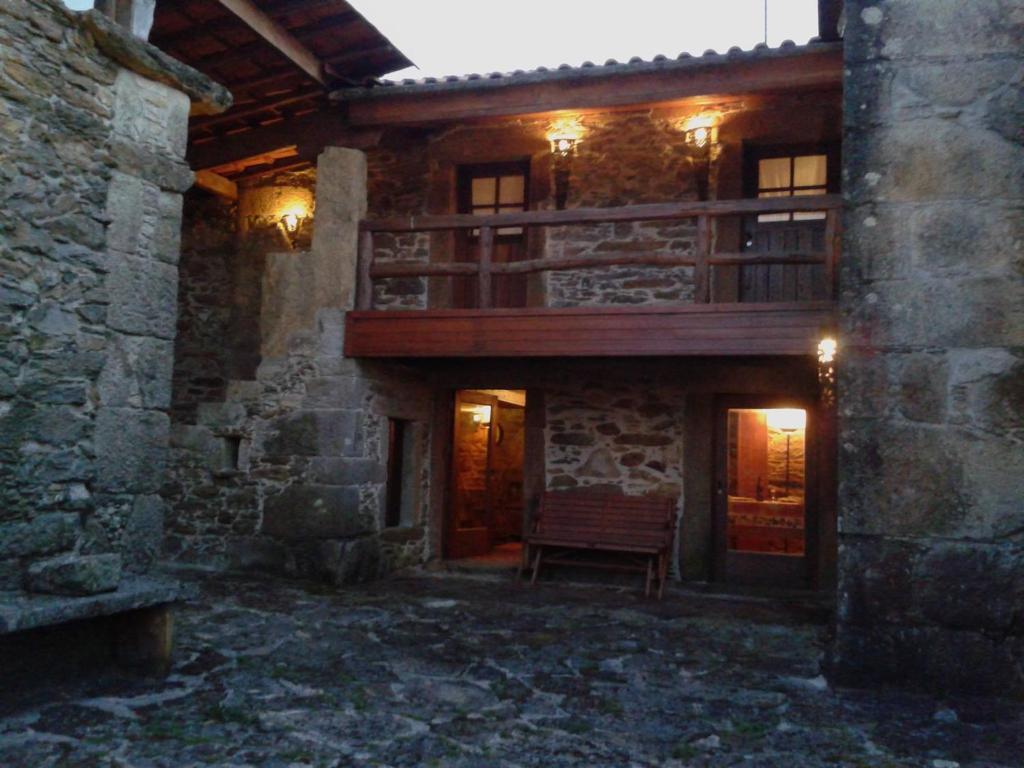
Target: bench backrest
x=593, y=517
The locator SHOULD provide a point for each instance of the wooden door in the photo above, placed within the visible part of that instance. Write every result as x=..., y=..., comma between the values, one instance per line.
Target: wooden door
x=783, y=282
x=508, y=445
x=483, y=190
x=470, y=511
x=765, y=492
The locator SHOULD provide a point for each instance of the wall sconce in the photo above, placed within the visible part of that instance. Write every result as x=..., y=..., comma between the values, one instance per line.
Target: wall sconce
x=291, y=223
x=564, y=137
x=827, y=350
x=701, y=135
x=480, y=414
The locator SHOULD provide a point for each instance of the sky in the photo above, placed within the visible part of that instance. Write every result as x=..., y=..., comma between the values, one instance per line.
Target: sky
x=452, y=37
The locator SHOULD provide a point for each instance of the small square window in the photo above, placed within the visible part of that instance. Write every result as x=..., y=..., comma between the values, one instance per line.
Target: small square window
x=792, y=176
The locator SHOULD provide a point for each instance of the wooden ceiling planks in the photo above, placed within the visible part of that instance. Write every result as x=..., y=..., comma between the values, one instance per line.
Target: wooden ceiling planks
x=269, y=53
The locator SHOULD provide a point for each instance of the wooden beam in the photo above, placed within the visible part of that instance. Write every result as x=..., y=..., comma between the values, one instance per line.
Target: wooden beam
x=694, y=329
x=217, y=184
x=309, y=133
x=287, y=164
x=277, y=36
x=625, y=213
x=256, y=108
x=595, y=89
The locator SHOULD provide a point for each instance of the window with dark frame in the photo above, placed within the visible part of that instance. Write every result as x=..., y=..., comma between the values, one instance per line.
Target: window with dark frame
x=791, y=171
x=485, y=190
x=397, y=436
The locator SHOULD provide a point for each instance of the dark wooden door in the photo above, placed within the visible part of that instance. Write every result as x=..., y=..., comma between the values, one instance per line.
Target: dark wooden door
x=783, y=282
x=468, y=529
x=765, y=492
x=508, y=445
x=488, y=189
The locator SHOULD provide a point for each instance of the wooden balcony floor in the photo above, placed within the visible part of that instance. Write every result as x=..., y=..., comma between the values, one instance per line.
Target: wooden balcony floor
x=690, y=329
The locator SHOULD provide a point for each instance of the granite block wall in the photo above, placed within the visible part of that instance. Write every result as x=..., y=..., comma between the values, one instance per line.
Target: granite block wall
x=92, y=179
x=931, y=389
x=279, y=443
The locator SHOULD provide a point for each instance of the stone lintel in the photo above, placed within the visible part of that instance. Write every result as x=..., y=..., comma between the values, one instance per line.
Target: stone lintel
x=143, y=58
x=20, y=611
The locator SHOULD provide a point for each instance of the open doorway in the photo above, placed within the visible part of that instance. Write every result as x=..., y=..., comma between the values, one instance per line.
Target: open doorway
x=485, y=514
x=765, y=508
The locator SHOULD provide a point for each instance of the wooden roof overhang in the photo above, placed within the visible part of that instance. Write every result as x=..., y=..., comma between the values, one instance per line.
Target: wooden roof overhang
x=279, y=59
x=683, y=81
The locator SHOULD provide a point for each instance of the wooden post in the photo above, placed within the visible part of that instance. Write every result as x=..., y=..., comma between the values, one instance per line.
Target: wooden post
x=484, y=274
x=832, y=246
x=702, y=272
x=364, y=282
x=144, y=639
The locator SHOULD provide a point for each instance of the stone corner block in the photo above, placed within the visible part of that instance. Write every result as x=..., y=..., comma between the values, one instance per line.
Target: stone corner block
x=75, y=575
x=315, y=512
x=44, y=535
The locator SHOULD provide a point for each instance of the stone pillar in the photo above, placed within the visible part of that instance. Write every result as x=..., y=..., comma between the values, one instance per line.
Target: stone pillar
x=931, y=390
x=296, y=286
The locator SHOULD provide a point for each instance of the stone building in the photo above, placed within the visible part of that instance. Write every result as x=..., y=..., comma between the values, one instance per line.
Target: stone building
x=93, y=130
x=406, y=311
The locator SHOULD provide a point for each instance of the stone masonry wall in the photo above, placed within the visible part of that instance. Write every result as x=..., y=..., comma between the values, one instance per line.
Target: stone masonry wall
x=626, y=436
x=932, y=351
x=283, y=467
x=92, y=176
x=623, y=158
x=626, y=159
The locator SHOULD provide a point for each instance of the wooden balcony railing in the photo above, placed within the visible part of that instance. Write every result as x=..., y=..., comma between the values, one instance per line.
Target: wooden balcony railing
x=702, y=260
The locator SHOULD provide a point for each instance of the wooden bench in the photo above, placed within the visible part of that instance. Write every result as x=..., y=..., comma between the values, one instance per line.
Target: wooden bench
x=572, y=525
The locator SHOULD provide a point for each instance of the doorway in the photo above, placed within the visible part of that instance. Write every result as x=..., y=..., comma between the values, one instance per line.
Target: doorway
x=485, y=515
x=484, y=190
x=765, y=520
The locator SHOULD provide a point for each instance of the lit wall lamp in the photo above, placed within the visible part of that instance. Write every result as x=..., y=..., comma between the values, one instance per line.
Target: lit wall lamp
x=479, y=414
x=827, y=350
x=292, y=221
x=701, y=135
x=564, y=137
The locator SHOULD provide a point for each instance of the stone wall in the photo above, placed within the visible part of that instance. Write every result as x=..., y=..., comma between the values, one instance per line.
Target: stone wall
x=623, y=158
x=626, y=159
x=92, y=179
x=279, y=446
x=932, y=349
x=626, y=436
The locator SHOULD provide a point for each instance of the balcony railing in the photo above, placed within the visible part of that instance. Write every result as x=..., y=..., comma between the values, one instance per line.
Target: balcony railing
x=703, y=259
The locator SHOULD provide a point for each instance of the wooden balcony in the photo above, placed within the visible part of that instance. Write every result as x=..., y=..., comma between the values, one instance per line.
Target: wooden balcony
x=698, y=327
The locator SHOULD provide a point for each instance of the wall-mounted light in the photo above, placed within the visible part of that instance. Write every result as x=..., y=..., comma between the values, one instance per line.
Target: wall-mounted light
x=479, y=414
x=828, y=349
x=564, y=135
x=787, y=419
x=700, y=133
x=291, y=221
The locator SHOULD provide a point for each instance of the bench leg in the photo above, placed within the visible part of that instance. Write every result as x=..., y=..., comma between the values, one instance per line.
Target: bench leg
x=144, y=639
x=650, y=576
x=536, y=565
x=524, y=561
x=662, y=574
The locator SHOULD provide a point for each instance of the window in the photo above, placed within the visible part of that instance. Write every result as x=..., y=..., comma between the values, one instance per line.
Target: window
x=401, y=474
x=791, y=172
x=494, y=188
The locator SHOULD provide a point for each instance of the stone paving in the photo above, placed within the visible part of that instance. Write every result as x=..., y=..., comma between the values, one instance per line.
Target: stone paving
x=429, y=670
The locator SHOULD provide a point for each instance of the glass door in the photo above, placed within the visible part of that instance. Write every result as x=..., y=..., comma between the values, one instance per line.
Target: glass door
x=762, y=497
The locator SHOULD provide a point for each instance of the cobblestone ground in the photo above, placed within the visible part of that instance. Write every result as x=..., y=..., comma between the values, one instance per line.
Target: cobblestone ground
x=463, y=671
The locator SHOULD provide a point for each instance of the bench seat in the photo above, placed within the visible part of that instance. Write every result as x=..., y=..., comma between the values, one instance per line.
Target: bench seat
x=572, y=524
